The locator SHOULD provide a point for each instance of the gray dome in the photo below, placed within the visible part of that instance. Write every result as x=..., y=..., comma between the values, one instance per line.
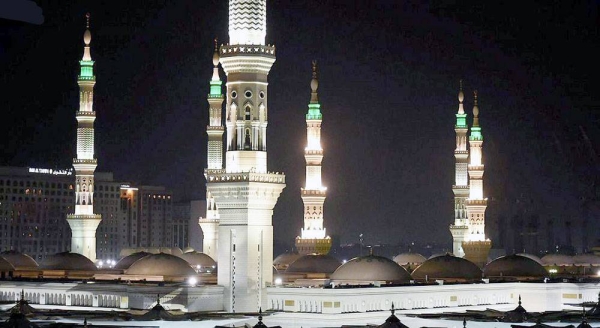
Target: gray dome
x=127, y=261
x=314, y=263
x=372, y=268
x=409, y=258
x=161, y=265
x=19, y=260
x=533, y=257
x=557, y=259
x=514, y=266
x=197, y=259
x=284, y=260
x=447, y=267
x=68, y=261
x=5, y=266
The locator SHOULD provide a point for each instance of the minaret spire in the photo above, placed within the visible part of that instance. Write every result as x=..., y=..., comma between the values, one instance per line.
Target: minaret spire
x=313, y=238
x=460, y=188
x=215, y=130
x=84, y=222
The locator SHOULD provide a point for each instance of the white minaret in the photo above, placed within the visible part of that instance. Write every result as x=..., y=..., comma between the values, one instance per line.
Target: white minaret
x=215, y=129
x=246, y=193
x=476, y=246
x=459, y=228
x=84, y=222
x=313, y=238
x=476, y=204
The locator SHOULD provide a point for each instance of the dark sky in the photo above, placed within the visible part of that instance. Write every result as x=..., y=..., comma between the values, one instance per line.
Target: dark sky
x=389, y=74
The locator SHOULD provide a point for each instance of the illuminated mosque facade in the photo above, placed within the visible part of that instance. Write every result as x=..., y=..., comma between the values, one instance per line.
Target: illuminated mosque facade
x=238, y=227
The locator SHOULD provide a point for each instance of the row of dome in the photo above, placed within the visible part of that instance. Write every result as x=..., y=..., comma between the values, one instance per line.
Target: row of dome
x=446, y=267
x=139, y=263
x=546, y=260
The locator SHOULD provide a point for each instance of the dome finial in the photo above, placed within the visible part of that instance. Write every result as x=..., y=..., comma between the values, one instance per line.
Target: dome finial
x=461, y=98
x=519, y=299
x=475, y=109
x=464, y=322
x=216, y=59
x=393, y=309
x=314, y=83
x=87, y=19
x=87, y=36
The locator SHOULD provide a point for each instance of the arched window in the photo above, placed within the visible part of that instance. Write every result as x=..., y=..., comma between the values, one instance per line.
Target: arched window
x=247, y=113
x=247, y=143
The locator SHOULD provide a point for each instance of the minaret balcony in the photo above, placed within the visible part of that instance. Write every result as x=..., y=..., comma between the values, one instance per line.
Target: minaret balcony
x=476, y=202
x=245, y=177
x=314, y=192
x=232, y=50
x=476, y=167
x=85, y=161
x=86, y=113
x=217, y=128
x=211, y=96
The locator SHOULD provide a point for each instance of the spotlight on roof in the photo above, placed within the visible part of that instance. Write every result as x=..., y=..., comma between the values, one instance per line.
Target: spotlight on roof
x=278, y=282
x=192, y=281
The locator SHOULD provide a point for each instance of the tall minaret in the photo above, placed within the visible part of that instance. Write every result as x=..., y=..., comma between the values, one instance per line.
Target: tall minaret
x=476, y=245
x=84, y=222
x=459, y=228
x=313, y=238
x=215, y=129
x=246, y=192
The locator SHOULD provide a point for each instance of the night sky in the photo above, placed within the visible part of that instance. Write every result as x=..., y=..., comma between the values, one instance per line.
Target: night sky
x=388, y=73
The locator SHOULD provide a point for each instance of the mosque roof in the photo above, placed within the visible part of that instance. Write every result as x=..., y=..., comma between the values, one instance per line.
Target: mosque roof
x=514, y=266
x=557, y=259
x=19, y=260
x=68, y=261
x=188, y=249
x=447, y=267
x=5, y=266
x=372, y=268
x=409, y=258
x=199, y=259
x=314, y=263
x=161, y=265
x=586, y=259
x=127, y=261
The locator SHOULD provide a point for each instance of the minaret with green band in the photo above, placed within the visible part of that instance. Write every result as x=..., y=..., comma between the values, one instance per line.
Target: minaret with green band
x=459, y=228
x=476, y=246
x=215, y=130
x=313, y=238
x=84, y=222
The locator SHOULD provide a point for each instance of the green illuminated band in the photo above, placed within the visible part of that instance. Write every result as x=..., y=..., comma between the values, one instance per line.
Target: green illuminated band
x=461, y=121
x=476, y=133
x=314, y=112
x=87, y=70
x=215, y=88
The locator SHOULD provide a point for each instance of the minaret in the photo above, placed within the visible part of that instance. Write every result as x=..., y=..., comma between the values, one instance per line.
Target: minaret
x=215, y=129
x=459, y=228
x=476, y=246
x=84, y=222
x=313, y=238
x=246, y=192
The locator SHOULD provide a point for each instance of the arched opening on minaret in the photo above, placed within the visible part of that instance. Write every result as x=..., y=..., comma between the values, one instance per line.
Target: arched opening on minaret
x=248, y=116
x=247, y=142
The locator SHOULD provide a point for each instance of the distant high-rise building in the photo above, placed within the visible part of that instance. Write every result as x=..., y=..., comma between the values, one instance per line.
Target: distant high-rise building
x=84, y=221
x=33, y=206
x=313, y=238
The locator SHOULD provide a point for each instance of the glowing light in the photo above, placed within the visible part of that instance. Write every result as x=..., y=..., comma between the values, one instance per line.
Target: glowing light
x=192, y=281
x=278, y=281
x=553, y=271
